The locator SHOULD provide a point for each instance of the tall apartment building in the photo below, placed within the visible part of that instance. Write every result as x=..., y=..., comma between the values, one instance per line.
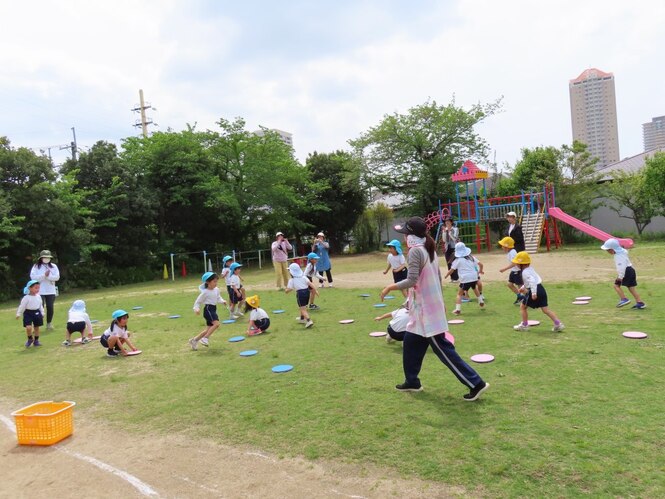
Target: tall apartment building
x=593, y=114
x=286, y=137
x=654, y=133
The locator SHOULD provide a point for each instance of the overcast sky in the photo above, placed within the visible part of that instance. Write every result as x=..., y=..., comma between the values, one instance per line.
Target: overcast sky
x=324, y=71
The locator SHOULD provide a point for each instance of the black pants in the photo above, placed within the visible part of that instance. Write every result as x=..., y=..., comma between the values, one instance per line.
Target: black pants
x=49, y=301
x=450, y=257
x=328, y=275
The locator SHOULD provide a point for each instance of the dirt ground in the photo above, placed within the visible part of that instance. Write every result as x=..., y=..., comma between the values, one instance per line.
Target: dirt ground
x=93, y=463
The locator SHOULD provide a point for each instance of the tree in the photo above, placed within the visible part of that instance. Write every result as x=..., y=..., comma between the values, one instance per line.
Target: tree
x=415, y=154
x=382, y=215
x=631, y=191
x=654, y=178
x=340, y=198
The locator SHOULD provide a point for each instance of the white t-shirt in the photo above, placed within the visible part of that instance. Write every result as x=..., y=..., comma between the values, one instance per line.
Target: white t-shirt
x=298, y=283
x=30, y=302
x=396, y=261
x=226, y=273
x=466, y=268
x=79, y=316
x=116, y=330
x=531, y=279
x=512, y=254
x=400, y=320
x=310, y=270
x=258, y=314
x=208, y=297
x=234, y=280
x=622, y=261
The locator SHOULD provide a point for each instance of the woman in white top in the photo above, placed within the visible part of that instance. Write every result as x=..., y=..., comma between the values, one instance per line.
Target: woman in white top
x=47, y=273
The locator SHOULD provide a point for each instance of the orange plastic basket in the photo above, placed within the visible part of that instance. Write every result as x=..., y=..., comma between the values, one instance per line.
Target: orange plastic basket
x=44, y=423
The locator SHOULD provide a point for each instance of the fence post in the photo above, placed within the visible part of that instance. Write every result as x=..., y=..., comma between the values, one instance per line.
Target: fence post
x=205, y=261
x=172, y=269
x=260, y=267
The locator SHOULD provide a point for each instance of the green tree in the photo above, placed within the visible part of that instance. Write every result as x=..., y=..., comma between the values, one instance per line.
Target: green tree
x=415, y=154
x=382, y=215
x=631, y=191
x=654, y=173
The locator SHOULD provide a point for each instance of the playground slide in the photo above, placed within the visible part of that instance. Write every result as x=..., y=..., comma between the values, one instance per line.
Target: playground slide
x=585, y=227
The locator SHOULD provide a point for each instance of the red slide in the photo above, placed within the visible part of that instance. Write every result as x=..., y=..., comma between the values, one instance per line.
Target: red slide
x=586, y=228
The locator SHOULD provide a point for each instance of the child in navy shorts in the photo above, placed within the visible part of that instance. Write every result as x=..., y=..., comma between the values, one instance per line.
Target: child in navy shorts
x=397, y=326
x=209, y=298
x=116, y=336
x=469, y=269
x=78, y=321
x=32, y=310
x=259, y=321
x=534, y=294
x=303, y=288
x=515, y=277
x=626, y=275
x=310, y=273
x=227, y=261
x=396, y=262
x=237, y=293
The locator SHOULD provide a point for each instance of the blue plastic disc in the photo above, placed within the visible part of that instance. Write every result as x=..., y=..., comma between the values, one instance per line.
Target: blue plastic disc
x=228, y=321
x=174, y=317
x=380, y=305
x=280, y=311
x=235, y=339
x=248, y=353
x=137, y=308
x=282, y=368
x=389, y=297
x=364, y=296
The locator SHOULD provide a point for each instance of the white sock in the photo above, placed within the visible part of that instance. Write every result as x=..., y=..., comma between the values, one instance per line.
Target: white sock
x=458, y=306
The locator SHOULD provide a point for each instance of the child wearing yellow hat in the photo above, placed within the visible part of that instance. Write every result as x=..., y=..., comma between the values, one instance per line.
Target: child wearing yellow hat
x=515, y=277
x=259, y=321
x=534, y=294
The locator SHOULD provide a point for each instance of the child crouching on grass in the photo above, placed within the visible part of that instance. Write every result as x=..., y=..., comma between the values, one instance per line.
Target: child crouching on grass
x=397, y=326
x=116, y=336
x=259, y=322
x=534, y=294
x=78, y=321
x=32, y=310
x=303, y=288
x=626, y=275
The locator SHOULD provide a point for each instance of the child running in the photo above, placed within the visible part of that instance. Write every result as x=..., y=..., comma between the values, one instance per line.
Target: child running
x=116, y=336
x=311, y=273
x=469, y=269
x=397, y=262
x=78, y=321
x=236, y=290
x=626, y=275
x=32, y=310
x=209, y=298
x=397, y=326
x=515, y=277
x=227, y=261
x=303, y=288
x=534, y=294
x=259, y=321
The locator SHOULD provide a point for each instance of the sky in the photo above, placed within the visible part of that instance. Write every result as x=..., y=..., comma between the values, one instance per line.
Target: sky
x=324, y=71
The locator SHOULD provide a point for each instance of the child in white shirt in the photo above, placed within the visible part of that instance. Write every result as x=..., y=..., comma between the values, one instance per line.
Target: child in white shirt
x=259, y=321
x=303, y=288
x=32, y=310
x=397, y=262
x=626, y=275
x=397, y=325
x=515, y=277
x=227, y=261
x=310, y=272
x=116, y=336
x=209, y=298
x=469, y=269
x=78, y=321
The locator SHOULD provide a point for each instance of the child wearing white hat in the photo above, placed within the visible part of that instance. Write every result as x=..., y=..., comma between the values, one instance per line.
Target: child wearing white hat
x=303, y=288
x=626, y=275
x=78, y=321
x=469, y=269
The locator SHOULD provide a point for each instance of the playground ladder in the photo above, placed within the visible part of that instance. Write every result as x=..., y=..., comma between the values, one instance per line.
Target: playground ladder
x=532, y=228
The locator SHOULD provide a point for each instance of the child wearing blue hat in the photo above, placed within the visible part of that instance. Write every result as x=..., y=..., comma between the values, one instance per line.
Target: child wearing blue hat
x=78, y=321
x=116, y=336
x=32, y=310
x=397, y=262
x=311, y=273
x=237, y=291
x=227, y=261
x=209, y=298
x=626, y=275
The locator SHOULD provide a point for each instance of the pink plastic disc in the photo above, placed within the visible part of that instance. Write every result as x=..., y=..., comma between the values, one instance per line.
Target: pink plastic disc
x=482, y=358
x=450, y=337
x=376, y=334
x=634, y=335
x=135, y=352
x=456, y=321
x=534, y=323
x=580, y=302
x=583, y=298
x=346, y=321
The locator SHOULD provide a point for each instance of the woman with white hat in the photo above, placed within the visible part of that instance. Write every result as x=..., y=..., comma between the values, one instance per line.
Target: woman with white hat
x=47, y=273
x=320, y=247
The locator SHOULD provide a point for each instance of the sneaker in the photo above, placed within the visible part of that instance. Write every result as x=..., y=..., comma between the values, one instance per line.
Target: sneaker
x=29, y=342
x=117, y=348
x=309, y=323
x=86, y=340
x=475, y=392
x=457, y=312
x=390, y=339
x=66, y=343
x=521, y=327
x=558, y=327
x=640, y=305
x=204, y=342
x=405, y=387
x=518, y=300
x=194, y=344
x=111, y=353
x=321, y=285
x=623, y=302
x=481, y=304
x=330, y=285
x=49, y=327
x=37, y=343
x=300, y=320
x=466, y=300
x=314, y=306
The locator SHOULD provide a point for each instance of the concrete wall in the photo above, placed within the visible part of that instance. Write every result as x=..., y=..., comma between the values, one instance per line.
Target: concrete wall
x=605, y=219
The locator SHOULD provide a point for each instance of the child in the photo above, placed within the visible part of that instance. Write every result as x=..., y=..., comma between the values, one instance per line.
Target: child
x=397, y=326
x=534, y=294
x=116, y=336
x=259, y=321
x=303, y=288
x=397, y=262
x=227, y=261
x=626, y=275
x=209, y=298
x=450, y=237
x=78, y=321
x=310, y=273
x=236, y=290
x=515, y=278
x=32, y=310
x=469, y=269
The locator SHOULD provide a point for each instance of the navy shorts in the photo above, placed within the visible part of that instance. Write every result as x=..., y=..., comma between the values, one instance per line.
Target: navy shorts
x=465, y=286
x=33, y=318
x=396, y=335
x=234, y=297
x=516, y=278
x=104, y=340
x=629, y=278
x=401, y=275
x=210, y=314
x=302, y=295
x=229, y=290
x=262, y=324
x=540, y=301
x=75, y=327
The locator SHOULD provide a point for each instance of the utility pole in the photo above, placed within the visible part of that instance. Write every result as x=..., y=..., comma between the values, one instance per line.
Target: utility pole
x=144, y=121
x=73, y=145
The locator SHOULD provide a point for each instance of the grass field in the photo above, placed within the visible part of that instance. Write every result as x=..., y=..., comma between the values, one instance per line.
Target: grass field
x=575, y=413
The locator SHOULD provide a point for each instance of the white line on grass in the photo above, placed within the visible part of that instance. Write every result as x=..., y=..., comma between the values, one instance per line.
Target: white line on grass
x=139, y=485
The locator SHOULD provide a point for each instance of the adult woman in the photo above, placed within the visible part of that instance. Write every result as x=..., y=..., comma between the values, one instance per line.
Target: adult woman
x=515, y=231
x=427, y=315
x=280, y=253
x=450, y=238
x=320, y=247
x=47, y=273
